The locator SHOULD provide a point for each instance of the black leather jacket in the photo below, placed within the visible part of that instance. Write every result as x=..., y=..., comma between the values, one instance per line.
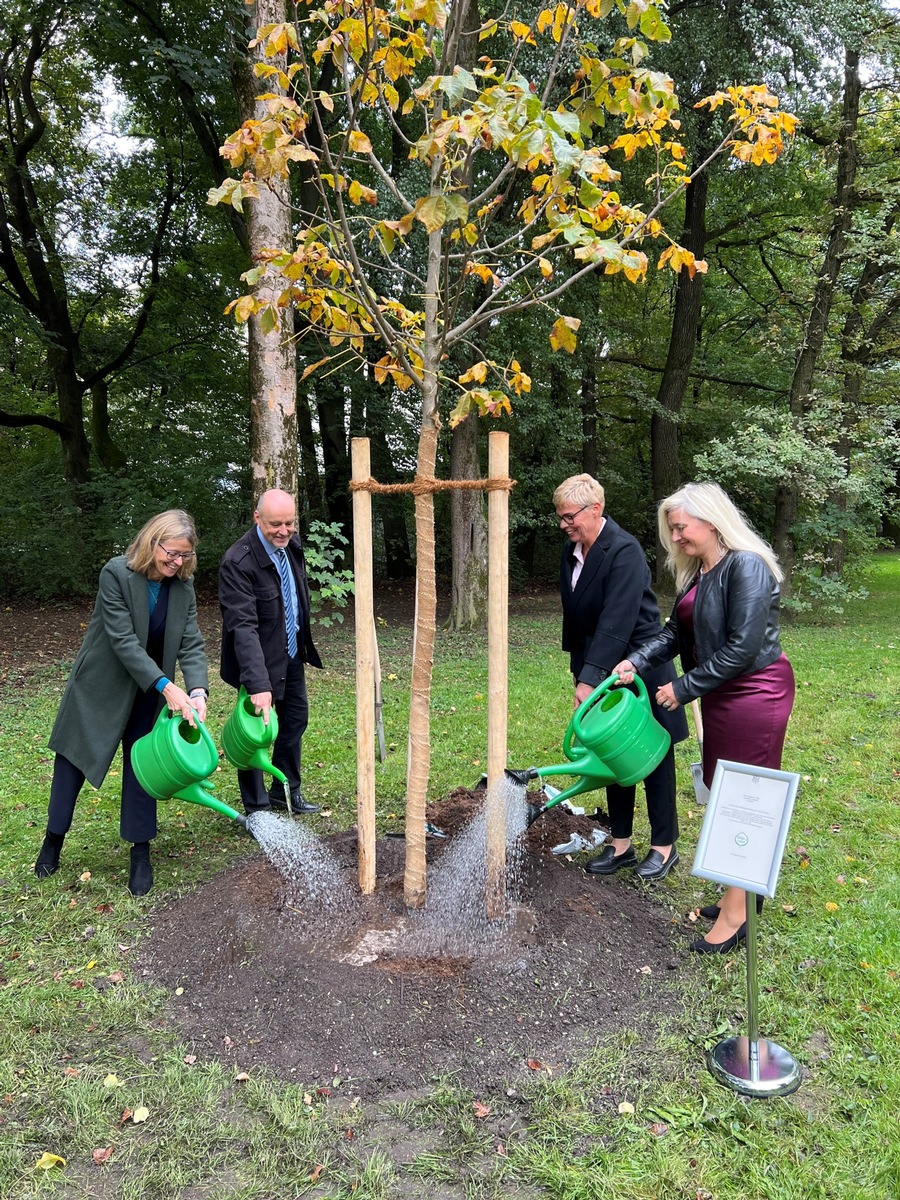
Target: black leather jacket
x=735, y=628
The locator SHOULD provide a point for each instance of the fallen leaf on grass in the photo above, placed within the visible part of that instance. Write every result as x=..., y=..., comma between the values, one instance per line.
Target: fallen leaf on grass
x=830, y=906
x=659, y=1129
x=48, y=1160
x=241, y=1077
x=626, y=1107
x=190, y=1059
x=481, y=1110
x=645, y=970
x=126, y=1116
x=115, y=977
x=501, y=1150
x=535, y=1064
x=71, y=1072
x=101, y=1154
x=84, y=876
x=319, y=1168
x=140, y=1115
x=112, y=1081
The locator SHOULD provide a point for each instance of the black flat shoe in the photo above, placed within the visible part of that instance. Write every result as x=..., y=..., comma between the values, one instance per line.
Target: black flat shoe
x=48, y=859
x=702, y=946
x=609, y=862
x=140, y=877
x=711, y=911
x=655, y=867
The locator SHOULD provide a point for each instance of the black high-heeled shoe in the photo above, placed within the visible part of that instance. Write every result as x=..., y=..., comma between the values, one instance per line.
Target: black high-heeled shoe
x=711, y=911
x=702, y=946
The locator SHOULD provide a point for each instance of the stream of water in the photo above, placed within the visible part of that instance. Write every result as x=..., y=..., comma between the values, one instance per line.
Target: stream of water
x=454, y=920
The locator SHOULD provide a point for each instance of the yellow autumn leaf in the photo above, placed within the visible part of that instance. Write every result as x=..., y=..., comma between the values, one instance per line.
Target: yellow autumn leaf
x=830, y=906
x=626, y=1107
x=112, y=1081
x=140, y=1115
x=359, y=142
x=48, y=1160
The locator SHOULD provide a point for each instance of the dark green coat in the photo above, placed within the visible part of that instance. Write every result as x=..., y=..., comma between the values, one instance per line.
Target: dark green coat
x=113, y=664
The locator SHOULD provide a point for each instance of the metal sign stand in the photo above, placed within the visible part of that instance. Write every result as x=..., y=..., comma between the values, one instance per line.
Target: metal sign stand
x=741, y=845
x=750, y=1065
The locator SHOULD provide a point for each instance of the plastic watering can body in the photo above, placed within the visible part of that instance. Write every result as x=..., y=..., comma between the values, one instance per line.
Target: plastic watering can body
x=173, y=756
x=247, y=739
x=612, y=737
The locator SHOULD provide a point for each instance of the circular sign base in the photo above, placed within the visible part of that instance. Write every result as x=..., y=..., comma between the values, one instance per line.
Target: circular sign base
x=776, y=1072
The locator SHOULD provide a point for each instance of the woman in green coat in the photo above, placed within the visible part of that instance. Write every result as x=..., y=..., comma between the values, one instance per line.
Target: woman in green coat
x=144, y=621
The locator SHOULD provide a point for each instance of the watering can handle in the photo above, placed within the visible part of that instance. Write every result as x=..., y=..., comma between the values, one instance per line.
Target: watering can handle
x=574, y=729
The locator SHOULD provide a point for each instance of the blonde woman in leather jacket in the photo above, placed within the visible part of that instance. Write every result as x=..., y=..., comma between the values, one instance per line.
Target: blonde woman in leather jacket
x=724, y=628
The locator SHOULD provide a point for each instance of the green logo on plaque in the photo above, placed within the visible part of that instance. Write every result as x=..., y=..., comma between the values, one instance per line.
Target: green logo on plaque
x=741, y=839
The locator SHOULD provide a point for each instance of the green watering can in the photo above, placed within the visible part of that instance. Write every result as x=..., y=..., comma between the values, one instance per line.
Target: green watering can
x=612, y=737
x=247, y=740
x=174, y=761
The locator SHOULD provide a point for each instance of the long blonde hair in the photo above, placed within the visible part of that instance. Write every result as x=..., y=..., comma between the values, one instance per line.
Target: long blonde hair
x=173, y=523
x=708, y=502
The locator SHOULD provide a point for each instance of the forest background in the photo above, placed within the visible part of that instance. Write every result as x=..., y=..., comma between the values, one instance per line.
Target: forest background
x=125, y=390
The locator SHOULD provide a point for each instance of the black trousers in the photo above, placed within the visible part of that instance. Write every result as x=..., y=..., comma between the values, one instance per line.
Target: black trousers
x=661, y=811
x=293, y=718
x=137, y=821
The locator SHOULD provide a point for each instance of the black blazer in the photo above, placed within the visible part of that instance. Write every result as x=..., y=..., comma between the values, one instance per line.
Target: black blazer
x=254, y=637
x=610, y=613
x=735, y=627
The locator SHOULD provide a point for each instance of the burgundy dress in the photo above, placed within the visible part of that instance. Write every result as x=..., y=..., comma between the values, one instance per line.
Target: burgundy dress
x=744, y=719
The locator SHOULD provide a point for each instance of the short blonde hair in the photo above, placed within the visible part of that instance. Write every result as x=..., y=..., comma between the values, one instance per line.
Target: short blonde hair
x=579, y=489
x=173, y=523
x=708, y=502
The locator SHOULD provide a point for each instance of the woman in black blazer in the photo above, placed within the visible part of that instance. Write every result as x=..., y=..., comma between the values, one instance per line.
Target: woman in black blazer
x=609, y=610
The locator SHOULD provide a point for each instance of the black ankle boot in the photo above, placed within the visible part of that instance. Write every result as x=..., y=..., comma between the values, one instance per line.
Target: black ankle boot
x=48, y=859
x=140, y=878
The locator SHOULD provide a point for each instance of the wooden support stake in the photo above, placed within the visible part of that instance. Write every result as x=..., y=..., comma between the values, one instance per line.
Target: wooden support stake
x=498, y=685
x=364, y=606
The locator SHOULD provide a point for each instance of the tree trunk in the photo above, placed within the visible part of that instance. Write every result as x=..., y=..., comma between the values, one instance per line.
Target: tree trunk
x=418, y=763
x=330, y=399
x=110, y=456
x=468, y=516
x=468, y=534
x=272, y=357
x=787, y=497
x=590, y=461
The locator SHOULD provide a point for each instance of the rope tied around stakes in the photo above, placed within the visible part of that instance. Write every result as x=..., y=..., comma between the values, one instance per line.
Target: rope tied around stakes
x=422, y=486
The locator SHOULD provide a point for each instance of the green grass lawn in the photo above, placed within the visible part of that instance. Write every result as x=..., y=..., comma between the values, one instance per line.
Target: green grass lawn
x=81, y=1038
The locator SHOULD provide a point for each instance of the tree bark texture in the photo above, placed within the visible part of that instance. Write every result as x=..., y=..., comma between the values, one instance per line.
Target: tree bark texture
x=419, y=747
x=468, y=534
x=787, y=497
x=664, y=461
x=272, y=356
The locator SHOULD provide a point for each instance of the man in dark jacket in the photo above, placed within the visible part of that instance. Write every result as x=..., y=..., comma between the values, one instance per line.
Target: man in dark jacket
x=608, y=603
x=266, y=640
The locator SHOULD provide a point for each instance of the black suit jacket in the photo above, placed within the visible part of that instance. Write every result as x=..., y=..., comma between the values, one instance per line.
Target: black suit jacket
x=610, y=613
x=254, y=637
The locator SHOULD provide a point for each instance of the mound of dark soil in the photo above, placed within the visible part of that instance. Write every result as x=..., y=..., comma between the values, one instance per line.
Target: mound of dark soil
x=256, y=981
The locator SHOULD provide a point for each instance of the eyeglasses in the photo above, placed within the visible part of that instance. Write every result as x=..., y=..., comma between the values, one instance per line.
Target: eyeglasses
x=568, y=519
x=173, y=555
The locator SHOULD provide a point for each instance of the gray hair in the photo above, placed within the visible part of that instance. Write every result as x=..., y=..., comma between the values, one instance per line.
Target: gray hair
x=708, y=502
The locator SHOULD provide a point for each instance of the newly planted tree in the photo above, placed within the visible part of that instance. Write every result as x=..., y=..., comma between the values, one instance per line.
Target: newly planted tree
x=429, y=175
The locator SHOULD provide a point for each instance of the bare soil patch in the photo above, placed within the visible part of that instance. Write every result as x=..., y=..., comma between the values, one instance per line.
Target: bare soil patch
x=263, y=985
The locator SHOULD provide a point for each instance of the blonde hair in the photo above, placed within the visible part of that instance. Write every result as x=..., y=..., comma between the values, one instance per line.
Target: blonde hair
x=173, y=523
x=708, y=502
x=579, y=489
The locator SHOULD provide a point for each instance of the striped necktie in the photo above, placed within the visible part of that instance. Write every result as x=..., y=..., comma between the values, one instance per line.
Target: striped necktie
x=287, y=592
